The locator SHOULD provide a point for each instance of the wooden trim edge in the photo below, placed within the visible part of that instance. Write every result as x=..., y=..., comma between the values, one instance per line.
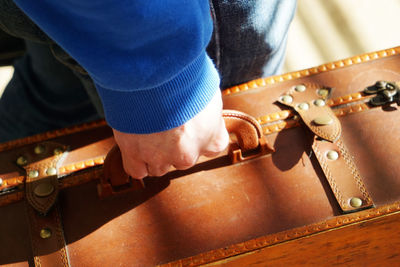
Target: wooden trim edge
x=273, y=239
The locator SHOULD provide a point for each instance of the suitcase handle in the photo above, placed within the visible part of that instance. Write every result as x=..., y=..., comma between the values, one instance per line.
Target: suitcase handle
x=246, y=138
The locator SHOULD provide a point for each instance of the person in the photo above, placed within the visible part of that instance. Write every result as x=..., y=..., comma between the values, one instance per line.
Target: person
x=144, y=65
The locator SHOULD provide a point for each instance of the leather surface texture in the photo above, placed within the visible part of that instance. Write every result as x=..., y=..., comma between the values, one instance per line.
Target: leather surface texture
x=218, y=208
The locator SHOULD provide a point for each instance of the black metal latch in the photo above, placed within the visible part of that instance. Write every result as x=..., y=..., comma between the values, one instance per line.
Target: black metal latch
x=386, y=92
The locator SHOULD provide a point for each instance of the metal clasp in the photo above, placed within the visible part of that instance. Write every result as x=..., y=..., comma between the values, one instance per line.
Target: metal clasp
x=386, y=92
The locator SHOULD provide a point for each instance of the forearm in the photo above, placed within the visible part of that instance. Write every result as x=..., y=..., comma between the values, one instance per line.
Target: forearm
x=147, y=58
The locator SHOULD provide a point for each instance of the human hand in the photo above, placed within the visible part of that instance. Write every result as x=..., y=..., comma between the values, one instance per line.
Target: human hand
x=154, y=154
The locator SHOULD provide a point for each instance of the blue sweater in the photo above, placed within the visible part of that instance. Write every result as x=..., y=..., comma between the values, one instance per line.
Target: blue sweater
x=146, y=57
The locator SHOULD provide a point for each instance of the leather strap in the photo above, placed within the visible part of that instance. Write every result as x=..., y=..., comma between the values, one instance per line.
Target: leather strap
x=332, y=155
x=41, y=184
x=47, y=239
x=342, y=175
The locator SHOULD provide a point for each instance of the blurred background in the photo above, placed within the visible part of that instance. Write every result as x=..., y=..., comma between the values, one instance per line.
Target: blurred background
x=328, y=30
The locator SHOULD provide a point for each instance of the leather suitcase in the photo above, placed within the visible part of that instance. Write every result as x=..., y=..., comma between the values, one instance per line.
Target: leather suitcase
x=311, y=177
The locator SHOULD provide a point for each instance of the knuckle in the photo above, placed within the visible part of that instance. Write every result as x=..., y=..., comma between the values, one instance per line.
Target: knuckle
x=186, y=160
x=136, y=174
x=158, y=170
x=136, y=171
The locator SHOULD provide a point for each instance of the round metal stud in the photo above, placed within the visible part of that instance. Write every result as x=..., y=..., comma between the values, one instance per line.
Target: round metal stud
x=319, y=103
x=45, y=233
x=355, y=202
x=300, y=88
x=58, y=151
x=303, y=106
x=33, y=174
x=323, y=92
x=43, y=190
x=39, y=149
x=323, y=120
x=51, y=171
x=332, y=155
x=1, y=182
x=21, y=161
x=287, y=99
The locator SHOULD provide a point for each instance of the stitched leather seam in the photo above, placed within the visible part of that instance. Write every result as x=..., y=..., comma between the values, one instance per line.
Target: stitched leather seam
x=60, y=238
x=328, y=174
x=356, y=175
x=250, y=120
x=331, y=137
x=34, y=225
x=55, y=224
x=311, y=71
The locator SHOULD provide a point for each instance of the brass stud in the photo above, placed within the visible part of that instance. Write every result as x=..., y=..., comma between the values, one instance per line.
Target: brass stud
x=45, y=233
x=51, y=171
x=22, y=161
x=33, y=174
x=43, y=190
x=332, y=155
x=287, y=99
x=323, y=92
x=39, y=149
x=319, y=103
x=323, y=120
x=58, y=151
x=355, y=202
x=300, y=88
x=303, y=106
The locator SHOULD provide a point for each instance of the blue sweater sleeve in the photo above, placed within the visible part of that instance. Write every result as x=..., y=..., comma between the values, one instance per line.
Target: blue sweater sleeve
x=146, y=58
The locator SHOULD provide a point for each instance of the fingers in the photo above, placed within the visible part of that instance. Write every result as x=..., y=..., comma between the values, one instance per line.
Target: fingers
x=158, y=170
x=218, y=142
x=134, y=168
x=153, y=154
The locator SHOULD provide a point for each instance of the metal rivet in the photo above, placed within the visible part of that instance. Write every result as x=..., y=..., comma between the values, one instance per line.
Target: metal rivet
x=45, y=233
x=332, y=155
x=33, y=174
x=51, y=171
x=303, y=106
x=287, y=99
x=300, y=88
x=319, y=103
x=43, y=189
x=58, y=151
x=323, y=120
x=21, y=161
x=1, y=182
x=39, y=149
x=323, y=92
x=355, y=202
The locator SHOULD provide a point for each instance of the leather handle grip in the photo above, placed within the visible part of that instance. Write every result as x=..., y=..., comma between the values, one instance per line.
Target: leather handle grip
x=248, y=133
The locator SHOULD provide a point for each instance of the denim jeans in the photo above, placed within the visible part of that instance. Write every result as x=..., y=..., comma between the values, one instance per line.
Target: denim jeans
x=50, y=90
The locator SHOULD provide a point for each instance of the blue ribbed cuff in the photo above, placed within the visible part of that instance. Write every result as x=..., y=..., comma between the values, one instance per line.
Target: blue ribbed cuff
x=166, y=106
